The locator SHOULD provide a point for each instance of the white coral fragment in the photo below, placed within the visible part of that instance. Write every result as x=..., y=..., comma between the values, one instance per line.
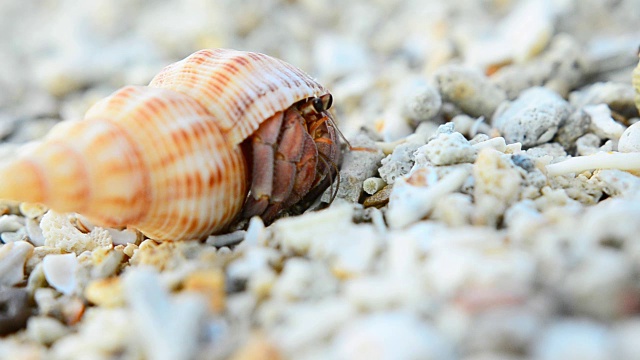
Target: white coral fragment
x=601, y=160
x=59, y=232
x=409, y=203
x=168, y=326
x=449, y=149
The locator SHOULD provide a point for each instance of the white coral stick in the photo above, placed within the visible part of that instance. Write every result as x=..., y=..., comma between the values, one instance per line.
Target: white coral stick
x=601, y=160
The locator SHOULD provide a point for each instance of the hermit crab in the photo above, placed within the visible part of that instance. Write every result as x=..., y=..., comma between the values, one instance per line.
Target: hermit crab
x=218, y=136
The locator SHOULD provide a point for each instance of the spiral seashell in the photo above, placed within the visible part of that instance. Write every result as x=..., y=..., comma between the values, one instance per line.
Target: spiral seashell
x=241, y=89
x=166, y=158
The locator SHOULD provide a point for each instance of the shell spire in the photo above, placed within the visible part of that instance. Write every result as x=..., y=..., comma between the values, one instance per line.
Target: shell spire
x=146, y=157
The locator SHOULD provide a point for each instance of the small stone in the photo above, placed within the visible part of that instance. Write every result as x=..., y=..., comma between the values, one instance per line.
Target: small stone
x=358, y=164
x=617, y=96
x=60, y=272
x=45, y=330
x=13, y=257
x=400, y=161
x=409, y=203
x=34, y=232
x=602, y=124
x=31, y=210
x=496, y=188
x=597, y=285
x=630, y=139
x=211, y=284
x=391, y=335
x=448, y=149
x=169, y=326
x=421, y=101
x=470, y=90
x=10, y=223
x=257, y=348
x=574, y=339
x=380, y=198
x=532, y=119
x=14, y=310
x=626, y=334
x=576, y=125
x=561, y=68
x=11, y=237
x=105, y=292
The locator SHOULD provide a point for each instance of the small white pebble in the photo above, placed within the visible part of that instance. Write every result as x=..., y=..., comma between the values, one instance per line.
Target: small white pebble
x=10, y=223
x=60, y=272
x=12, y=260
x=392, y=335
x=602, y=124
x=630, y=139
x=45, y=330
x=409, y=203
x=575, y=339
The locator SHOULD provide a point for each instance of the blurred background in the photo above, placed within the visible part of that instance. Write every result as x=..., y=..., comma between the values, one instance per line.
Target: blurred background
x=59, y=56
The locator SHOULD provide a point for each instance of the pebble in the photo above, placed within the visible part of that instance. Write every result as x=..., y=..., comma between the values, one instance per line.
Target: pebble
x=400, y=161
x=392, y=335
x=561, y=68
x=420, y=101
x=45, y=330
x=168, y=325
x=32, y=211
x=497, y=184
x=357, y=165
x=508, y=329
x=533, y=118
x=15, y=310
x=211, y=284
x=469, y=90
x=409, y=203
x=106, y=292
x=60, y=272
x=626, y=335
x=630, y=139
x=602, y=124
x=576, y=125
x=13, y=257
x=598, y=285
x=574, y=339
x=448, y=149
x=619, y=97
x=10, y=223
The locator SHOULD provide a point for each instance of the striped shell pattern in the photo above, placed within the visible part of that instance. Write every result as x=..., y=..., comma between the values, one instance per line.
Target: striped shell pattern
x=165, y=159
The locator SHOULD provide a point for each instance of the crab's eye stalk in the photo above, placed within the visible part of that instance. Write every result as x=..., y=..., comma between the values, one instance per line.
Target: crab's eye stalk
x=318, y=106
x=327, y=101
x=322, y=103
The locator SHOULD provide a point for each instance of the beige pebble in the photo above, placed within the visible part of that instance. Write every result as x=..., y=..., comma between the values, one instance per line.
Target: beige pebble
x=105, y=292
x=32, y=210
x=209, y=283
x=257, y=348
x=45, y=330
